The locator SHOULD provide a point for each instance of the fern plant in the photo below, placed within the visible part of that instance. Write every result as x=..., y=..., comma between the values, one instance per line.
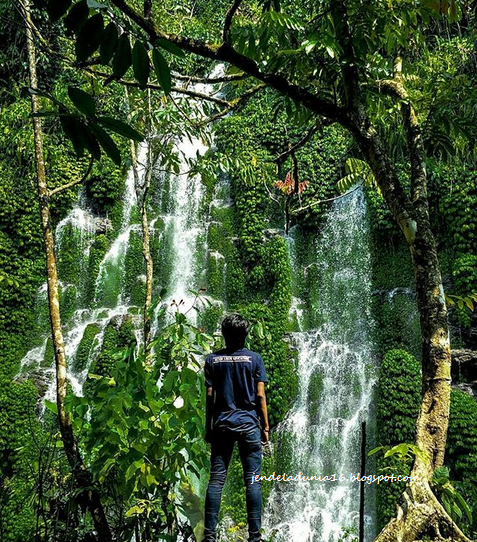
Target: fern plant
x=357, y=171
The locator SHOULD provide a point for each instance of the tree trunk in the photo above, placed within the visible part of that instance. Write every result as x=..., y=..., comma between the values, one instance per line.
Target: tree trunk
x=82, y=477
x=142, y=194
x=419, y=512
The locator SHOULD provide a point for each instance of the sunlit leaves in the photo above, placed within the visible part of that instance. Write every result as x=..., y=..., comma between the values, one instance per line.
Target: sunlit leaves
x=356, y=171
x=469, y=301
x=135, y=426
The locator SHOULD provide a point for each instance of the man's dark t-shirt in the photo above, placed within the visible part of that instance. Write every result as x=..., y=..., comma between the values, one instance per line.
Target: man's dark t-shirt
x=233, y=375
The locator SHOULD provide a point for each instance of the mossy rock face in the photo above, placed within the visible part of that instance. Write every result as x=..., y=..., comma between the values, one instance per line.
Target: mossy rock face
x=49, y=357
x=461, y=447
x=210, y=317
x=96, y=254
x=68, y=301
x=314, y=392
x=397, y=408
x=85, y=347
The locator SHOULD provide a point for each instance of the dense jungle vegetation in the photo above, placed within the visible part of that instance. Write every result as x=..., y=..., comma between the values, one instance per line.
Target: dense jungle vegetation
x=295, y=103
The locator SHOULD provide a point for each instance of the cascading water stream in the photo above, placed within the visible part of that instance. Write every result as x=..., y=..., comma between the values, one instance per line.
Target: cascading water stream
x=336, y=372
x=180, y=240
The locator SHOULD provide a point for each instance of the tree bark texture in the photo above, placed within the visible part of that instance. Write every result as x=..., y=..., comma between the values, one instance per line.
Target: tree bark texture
x=82, y=476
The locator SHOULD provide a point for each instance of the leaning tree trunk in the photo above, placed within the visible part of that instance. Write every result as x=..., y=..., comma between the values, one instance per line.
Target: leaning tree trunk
x=419, y=513
x=81, y=475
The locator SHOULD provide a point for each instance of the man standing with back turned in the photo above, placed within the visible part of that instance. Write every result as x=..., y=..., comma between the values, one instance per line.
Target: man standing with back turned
x=236, y=407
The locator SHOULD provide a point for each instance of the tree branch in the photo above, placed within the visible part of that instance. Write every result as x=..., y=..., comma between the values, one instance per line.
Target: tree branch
x=153, y=86
x=226, y=53
x=395, y=87
x=298, y=145
x=81, y=180
x=296, y=211
x=234, y=104
x=228, y=20
x=210, y=80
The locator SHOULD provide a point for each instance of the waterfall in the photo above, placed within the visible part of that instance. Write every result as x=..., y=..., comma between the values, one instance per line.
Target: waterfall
x=95, y=300
x=336, y=372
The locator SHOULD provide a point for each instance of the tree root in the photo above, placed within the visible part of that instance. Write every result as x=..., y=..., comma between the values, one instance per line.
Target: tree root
x=419, y=515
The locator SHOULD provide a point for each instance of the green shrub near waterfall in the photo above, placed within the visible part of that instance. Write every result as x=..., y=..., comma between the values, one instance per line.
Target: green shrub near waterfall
x=141, y=440
x=461, y=451
x=397, y=407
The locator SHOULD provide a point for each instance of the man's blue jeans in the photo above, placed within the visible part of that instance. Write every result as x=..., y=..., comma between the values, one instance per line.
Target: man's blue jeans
x=250, y=449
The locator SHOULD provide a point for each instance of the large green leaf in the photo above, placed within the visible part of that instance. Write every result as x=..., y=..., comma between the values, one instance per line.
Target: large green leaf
x=171, y=47
x=162, y=71
x=89, y=37
x=76, y=17
x=121, y=128
x=122, y=57
x=109, y=146
x=80, y=136
x=82, y=101
x=109, y=43
x=140, y=61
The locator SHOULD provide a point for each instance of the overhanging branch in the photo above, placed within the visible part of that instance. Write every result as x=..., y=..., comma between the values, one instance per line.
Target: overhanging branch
x=81, y=180
x=226, y=53
x=297, y=145
x=228, y=20
x=153, y=86
x=210, y=80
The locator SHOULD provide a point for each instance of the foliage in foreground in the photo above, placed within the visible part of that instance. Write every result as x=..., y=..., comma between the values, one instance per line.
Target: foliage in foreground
x=141, y=434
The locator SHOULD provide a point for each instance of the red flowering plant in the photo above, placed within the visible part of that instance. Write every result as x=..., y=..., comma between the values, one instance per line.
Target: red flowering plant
x=290, y=188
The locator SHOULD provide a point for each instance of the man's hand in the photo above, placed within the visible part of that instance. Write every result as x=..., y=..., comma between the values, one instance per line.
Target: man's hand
x=265, y=436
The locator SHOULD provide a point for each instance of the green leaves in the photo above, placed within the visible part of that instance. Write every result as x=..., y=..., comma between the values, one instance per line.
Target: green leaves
x=122, y=57
x=121, y=128
x=89, y=37
x=87, y=132
x=140, y=61
x=106, y=143
x=357, y=171
x=139, y=433
x=109, y=43
x=171, y=47
x=162, y=71
x=82, y=101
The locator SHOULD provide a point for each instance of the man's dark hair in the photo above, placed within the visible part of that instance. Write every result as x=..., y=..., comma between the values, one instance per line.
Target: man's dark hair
x=235, y=330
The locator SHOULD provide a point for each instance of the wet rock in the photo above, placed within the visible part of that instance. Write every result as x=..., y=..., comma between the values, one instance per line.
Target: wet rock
x=464, y=365
x=102, y=225
x=270, y=234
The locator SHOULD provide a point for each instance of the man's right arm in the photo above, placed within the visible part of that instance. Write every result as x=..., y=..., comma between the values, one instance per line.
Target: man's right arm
x=209, y=403
x=262, y=410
